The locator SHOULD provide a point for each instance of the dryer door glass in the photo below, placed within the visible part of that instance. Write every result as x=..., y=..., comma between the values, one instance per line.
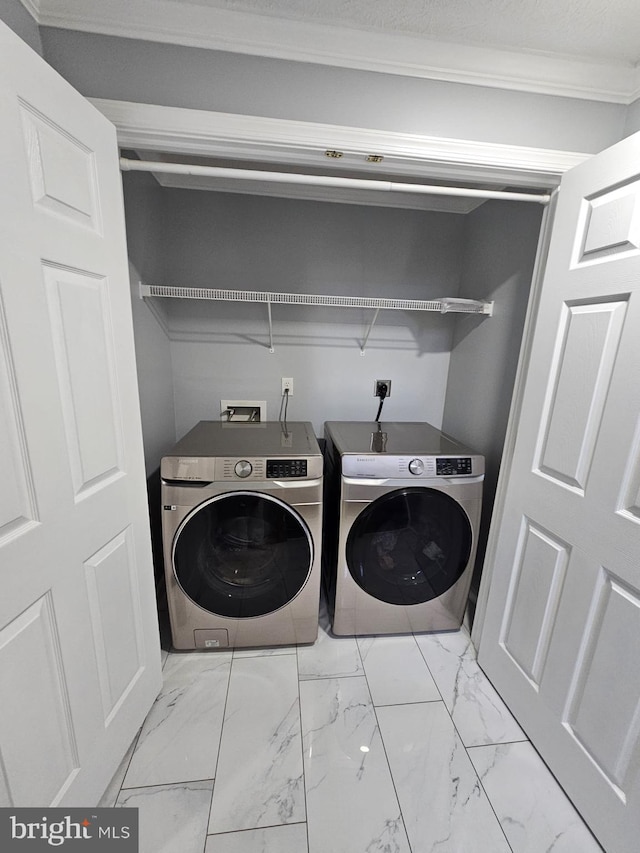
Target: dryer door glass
x=409, y=546
x=242, y=554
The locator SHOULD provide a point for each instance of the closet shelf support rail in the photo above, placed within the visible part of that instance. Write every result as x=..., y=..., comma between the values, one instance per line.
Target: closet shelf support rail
x=444, y=305
x=127, y=165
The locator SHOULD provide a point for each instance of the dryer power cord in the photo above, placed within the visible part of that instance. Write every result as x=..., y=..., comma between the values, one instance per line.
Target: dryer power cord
x=382, y=389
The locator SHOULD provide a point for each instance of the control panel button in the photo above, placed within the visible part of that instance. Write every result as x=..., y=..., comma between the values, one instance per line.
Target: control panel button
x=243, y=468
x=416, y=466
x=453, y=466
x=286, y=468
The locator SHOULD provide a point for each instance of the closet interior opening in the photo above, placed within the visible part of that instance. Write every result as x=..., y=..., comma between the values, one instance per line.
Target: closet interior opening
x=194, y=230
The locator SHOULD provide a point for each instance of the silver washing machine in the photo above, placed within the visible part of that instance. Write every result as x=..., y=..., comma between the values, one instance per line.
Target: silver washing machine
x=242, y=526
x=402, y=511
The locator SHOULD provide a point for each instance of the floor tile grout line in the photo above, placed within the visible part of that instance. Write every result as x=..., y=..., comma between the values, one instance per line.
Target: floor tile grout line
x=401, y=704
x=433, y=678
x=326, y=677
x=258, y=655
x=134, y=743
x=254, y=829
x=253, y=658
x=302, y=751
x=457, y=730
x=486, y=793
x=133, y=746
x=495, y=743
x=464, y=746
x=548, y=769
x=458, y=735
x=384, y=749
x=176, y=782
x=215, y=774
x=524, y=739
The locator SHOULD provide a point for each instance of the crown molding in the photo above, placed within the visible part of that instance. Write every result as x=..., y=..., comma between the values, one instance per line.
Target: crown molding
x=636, y=86
x=200, y=133
x=33, y=8
x=200, y=26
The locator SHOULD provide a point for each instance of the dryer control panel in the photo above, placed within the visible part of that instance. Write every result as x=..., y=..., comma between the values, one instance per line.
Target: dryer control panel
x=379, y=466
x=452, y=466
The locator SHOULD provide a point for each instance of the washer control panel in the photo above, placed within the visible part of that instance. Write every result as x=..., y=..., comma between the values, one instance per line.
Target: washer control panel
x=264, y=469
x=199, y=470
x=284, y=469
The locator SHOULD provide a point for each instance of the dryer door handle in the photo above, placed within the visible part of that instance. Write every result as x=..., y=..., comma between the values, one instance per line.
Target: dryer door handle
x=401, y=482
x=365, y=481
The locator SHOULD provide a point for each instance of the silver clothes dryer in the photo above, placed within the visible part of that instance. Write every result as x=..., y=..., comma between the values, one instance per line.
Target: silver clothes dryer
x=402, y=511
x=242, y=526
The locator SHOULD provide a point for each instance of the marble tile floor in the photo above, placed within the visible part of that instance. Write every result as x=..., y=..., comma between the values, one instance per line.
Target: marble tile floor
x=353, y=745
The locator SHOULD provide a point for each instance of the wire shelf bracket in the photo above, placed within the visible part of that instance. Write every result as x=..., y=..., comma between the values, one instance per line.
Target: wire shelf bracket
x=444, y=305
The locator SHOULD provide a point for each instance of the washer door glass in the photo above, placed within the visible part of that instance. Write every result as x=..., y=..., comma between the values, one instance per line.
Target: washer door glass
x=409, y=546
x=242, y=554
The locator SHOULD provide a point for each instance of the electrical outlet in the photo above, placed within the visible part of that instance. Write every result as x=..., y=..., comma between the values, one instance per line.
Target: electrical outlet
x=287, y=385
x=378, y=383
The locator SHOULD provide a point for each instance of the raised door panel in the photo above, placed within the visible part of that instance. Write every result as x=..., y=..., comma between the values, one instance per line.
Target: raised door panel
x=603, y=707
x=61, y=170
x=115, y=618
x=629, y=502
x=38, y=747
x=82, y=333
x=588, y=338
x=532, y=605
x=610, y=223
x=18, y=510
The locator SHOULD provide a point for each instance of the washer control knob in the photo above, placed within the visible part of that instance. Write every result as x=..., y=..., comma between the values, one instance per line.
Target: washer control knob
x=243, y=468
x=416, y=466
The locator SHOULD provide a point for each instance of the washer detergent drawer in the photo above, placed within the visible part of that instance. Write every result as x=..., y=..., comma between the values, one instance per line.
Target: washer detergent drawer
x=293, y=493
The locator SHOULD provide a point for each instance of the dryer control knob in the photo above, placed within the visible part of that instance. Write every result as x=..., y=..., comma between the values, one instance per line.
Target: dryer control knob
x=416, y=466
x=243, y=468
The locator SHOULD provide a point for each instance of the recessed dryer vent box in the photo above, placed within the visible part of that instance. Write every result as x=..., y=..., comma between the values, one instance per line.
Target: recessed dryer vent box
x=248, y=411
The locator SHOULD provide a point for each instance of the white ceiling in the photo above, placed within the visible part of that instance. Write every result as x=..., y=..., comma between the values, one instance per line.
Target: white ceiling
x=578, y=48
x=591, y=29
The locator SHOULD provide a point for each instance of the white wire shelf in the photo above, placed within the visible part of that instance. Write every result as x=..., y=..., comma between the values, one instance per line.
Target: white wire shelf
x=444, y=305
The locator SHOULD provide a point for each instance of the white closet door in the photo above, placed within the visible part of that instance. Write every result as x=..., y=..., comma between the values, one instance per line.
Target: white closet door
x=561, y=640
x=79, y=648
